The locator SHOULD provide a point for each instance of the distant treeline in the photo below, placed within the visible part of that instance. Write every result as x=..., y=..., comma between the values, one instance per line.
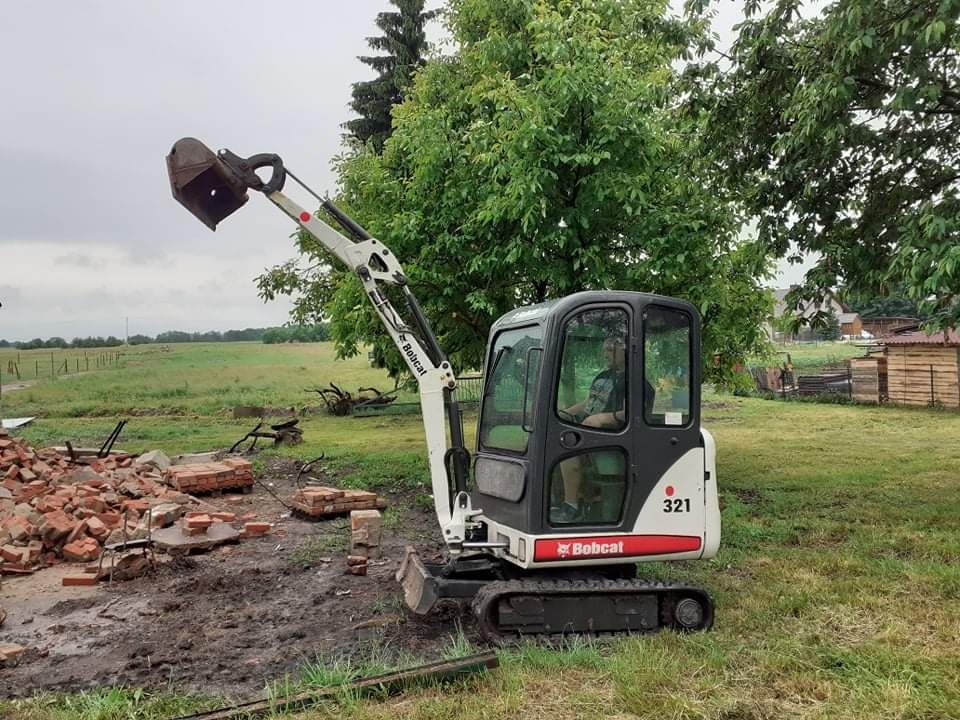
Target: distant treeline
x=293, y=333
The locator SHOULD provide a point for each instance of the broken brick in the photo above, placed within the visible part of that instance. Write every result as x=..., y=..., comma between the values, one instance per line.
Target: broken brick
x=79, y=580
x=257, y=528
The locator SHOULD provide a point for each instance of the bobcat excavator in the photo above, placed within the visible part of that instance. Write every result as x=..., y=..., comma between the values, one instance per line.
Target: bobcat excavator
x=589, y=455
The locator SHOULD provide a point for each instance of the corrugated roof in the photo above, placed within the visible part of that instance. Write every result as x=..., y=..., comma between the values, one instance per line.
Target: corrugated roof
x=847, y=317
x=921, y=338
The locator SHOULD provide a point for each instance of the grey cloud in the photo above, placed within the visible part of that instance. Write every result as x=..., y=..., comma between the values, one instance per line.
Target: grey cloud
x=79, y=260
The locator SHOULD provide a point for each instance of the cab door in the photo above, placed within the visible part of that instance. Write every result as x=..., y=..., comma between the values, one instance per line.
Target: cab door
x=668, y=482
x=590, y=450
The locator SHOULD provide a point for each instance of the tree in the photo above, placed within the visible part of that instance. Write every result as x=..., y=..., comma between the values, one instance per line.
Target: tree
x=829, y=328
x=841, y=134
x=894, y=305
x=544, y=158
x=405, y=44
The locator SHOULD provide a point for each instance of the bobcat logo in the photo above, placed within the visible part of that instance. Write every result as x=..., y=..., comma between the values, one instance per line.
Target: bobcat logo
x=563, y=549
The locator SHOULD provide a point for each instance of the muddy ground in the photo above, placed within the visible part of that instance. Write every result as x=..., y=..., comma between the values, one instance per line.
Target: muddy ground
x=228, y=621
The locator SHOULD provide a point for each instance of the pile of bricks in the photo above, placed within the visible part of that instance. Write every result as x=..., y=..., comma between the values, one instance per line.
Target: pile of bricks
x=320, y=502
x=365, y=532
x=198, y=478
x=197, y=523
x=52, y=510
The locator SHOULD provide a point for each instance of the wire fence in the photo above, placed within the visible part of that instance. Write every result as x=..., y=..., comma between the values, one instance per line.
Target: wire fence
x=31, y=366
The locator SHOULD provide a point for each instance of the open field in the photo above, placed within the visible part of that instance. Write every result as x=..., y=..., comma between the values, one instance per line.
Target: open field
x=194, y=379
x=837, y=585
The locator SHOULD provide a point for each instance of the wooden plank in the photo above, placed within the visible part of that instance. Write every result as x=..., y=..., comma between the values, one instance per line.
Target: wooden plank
x=390, y=682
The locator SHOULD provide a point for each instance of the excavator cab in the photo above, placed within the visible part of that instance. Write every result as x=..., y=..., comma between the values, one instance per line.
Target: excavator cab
x=588, y=402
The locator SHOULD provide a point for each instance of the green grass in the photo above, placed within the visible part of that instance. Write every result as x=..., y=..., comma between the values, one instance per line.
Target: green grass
x=195, y=379
x=107, y=704
x=837, y=584
x=809, y=354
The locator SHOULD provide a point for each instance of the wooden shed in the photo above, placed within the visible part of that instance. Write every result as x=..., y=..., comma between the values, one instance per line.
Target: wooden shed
x=850, y=324
x=923, y=369
x=868, y=377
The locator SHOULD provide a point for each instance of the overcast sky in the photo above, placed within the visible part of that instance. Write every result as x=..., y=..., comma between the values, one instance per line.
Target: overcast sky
x=94, y=93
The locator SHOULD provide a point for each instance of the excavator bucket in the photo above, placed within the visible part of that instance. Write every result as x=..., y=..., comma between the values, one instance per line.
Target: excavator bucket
x=202, y=183
x=420, y=591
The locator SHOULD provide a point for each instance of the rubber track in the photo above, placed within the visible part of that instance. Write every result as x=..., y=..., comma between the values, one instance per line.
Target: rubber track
x=486, y=600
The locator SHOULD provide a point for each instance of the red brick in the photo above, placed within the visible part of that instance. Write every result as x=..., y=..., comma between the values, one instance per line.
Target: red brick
x=79, y=580
x=82, y=550
x=224, y=516
x=257, y=528
x=10, y=553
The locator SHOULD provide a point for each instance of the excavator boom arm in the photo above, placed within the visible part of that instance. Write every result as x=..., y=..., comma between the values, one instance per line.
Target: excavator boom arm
x=213, y=186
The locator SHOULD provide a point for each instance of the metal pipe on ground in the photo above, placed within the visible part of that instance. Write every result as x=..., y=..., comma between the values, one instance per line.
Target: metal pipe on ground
x=389, y=682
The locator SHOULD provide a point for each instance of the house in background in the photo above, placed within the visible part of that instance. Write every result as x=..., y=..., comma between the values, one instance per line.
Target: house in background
x=888, y=324
x=851, y=324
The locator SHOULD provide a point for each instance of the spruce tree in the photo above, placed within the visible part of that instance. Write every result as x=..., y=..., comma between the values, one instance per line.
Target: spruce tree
x=404, y=43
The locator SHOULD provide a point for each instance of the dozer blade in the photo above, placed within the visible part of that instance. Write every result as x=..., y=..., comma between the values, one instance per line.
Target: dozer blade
x=202, y=183
x=419, y=586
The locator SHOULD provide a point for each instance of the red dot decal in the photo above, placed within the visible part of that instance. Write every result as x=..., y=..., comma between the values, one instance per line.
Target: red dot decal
x=669, y=490
x=304, y=216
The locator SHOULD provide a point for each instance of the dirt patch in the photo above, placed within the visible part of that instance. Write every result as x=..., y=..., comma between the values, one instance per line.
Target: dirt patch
x=228, y=621
x=748, y=496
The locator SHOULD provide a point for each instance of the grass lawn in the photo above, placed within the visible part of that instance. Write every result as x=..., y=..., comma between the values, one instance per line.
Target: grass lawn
x=810, y=354
x=837, y=584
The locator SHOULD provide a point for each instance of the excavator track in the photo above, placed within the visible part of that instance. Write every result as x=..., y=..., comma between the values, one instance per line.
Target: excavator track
x=509, y=611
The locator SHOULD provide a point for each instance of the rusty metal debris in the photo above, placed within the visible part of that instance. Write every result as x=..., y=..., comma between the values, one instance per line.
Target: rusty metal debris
x=79, y=456
x=389, y=682
x=282, y=433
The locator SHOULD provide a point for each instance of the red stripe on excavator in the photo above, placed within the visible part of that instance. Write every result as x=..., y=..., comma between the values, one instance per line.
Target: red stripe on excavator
x=584, y=548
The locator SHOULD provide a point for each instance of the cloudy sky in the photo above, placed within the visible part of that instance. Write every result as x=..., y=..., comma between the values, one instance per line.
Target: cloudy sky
x=94, y=93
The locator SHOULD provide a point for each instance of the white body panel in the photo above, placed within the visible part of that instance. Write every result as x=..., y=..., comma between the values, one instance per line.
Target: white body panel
x=432, y=379
x=693, y=477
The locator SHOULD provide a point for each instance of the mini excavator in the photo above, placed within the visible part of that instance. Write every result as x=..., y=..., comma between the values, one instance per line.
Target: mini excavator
x=589, y=459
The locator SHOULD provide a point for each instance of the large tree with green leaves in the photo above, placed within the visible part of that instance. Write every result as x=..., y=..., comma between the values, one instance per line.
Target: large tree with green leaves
x=404, y=43
x=841, y=134
x=544, y=158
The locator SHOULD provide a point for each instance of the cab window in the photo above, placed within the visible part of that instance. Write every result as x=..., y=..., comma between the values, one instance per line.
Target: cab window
x=510, y=385
x=667, y=366
x=592, y=391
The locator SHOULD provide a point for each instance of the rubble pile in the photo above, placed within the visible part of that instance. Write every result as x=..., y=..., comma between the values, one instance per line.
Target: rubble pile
x=318, y=502
x=198, y=478
x=52, y=509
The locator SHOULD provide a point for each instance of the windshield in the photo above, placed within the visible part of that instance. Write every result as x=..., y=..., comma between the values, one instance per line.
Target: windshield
x=508, y=382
